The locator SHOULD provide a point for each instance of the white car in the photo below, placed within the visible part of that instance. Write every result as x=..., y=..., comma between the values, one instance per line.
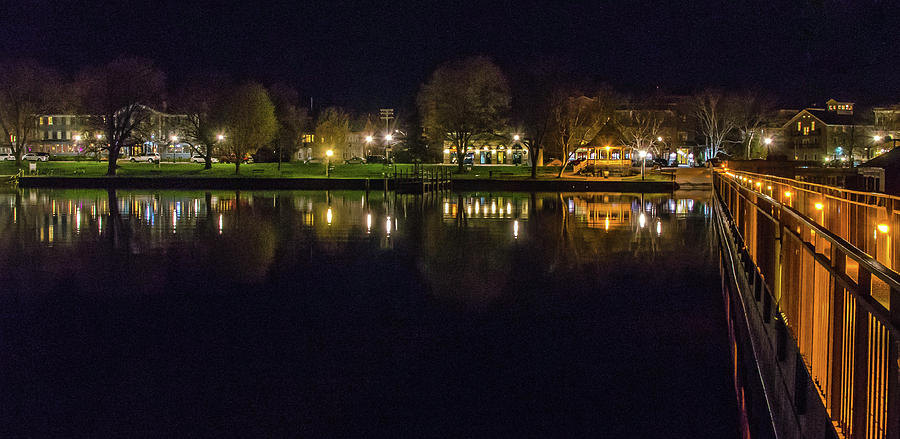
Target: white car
x=152, y=157
x=36, y=156
x=4, y=157
x=201, y=159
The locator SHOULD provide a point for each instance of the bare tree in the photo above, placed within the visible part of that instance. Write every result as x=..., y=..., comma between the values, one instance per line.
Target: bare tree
x=577, y=119
x=639, y=127
x=118, y=98
x=462, y=101
x=292, y=120
x=202, y=101
x=853, y=138
x=27, y=90
x=752, y=110
x=716, y=120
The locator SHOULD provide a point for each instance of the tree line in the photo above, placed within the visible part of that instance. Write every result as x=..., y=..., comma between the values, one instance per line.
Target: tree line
x=471, y=99
x=462, y=103
x=116, y=102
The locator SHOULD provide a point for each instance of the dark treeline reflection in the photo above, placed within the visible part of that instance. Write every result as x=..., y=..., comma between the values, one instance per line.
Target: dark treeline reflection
x=307, y=313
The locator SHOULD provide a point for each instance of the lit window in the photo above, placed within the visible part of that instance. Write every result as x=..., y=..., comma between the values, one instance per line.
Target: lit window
x=799, y=126
x=813, y=126
x=50, y=120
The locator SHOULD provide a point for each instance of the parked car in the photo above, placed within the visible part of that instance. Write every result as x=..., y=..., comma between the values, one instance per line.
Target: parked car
x=4, y=157
x=469, y=158
x=355, y=161
x=313, y=160
x=36, y=156
x=151, y=157
x=201, y=159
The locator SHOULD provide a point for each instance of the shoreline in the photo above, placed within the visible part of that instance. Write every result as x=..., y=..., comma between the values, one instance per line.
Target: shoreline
x=340, y=183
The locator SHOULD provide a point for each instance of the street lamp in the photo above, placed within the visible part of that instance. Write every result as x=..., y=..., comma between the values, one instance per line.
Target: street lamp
x=876, y=138
x=369, y=140
x=643, y=155
x=387, y=148
x=516, y=138
x=768, y=142
x=221, y=137
x=328, y=155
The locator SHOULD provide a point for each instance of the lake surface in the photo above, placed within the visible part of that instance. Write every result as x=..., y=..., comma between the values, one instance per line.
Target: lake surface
x=337, y=314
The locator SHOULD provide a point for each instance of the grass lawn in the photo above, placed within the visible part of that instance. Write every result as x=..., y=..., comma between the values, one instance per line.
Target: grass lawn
x=288, y=170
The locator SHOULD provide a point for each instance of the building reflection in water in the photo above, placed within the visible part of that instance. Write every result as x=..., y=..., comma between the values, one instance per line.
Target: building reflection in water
x=468, y=247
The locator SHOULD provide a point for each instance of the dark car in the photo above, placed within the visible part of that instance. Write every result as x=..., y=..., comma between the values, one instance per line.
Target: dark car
x=469, y=158
x=355, y=161
x=374, y=159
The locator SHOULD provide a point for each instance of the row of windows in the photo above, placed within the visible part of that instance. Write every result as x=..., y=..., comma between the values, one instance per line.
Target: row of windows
x=59, y=120
x=57, y=135
x=806, y=130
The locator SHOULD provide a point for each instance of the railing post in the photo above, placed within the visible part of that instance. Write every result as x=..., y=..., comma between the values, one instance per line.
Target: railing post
x=893, y=373
x=839, y=262
x=861, y=357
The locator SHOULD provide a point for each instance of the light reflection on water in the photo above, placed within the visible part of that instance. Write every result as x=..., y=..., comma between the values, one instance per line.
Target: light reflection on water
x=244, y=231
x=305, y=310
x=60, y=217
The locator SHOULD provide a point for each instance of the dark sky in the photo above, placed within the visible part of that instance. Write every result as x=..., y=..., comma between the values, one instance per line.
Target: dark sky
x=367, y=55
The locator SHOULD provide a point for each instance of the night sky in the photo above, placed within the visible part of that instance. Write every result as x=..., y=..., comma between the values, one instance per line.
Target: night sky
x=367, y=55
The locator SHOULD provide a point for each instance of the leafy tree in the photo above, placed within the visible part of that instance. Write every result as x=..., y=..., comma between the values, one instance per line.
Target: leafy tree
x=415, y=142
x=249, y=120
x=533, y=102
x=332, y=129
x=118, y=97
x=27, y=90
x=463, y=100
x=201, y=101
x=716, y=120
x=292, y=120
x=577, y=119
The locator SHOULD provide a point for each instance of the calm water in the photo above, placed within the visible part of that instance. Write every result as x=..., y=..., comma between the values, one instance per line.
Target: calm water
x=332, y=314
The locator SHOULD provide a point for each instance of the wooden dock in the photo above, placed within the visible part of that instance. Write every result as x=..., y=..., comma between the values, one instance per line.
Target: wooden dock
x=420, y=181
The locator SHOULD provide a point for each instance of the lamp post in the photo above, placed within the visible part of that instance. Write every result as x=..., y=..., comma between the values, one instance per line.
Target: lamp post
x=388, y=138
x=662, y=141
x=328, y=155
x=643, y=155
x=174, y=142
x=768, y=142
x=876, y=138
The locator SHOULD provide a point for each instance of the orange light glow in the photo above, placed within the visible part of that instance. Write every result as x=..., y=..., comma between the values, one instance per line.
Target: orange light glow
x=883, y=228
x=787, y=193
x=820, y=206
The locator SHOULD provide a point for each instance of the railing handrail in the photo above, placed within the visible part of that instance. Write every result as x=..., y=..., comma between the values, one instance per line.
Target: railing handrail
x=870, y=264
x=826, y=187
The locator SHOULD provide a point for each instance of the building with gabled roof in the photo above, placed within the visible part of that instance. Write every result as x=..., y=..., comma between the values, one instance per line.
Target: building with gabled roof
x=825, y=134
